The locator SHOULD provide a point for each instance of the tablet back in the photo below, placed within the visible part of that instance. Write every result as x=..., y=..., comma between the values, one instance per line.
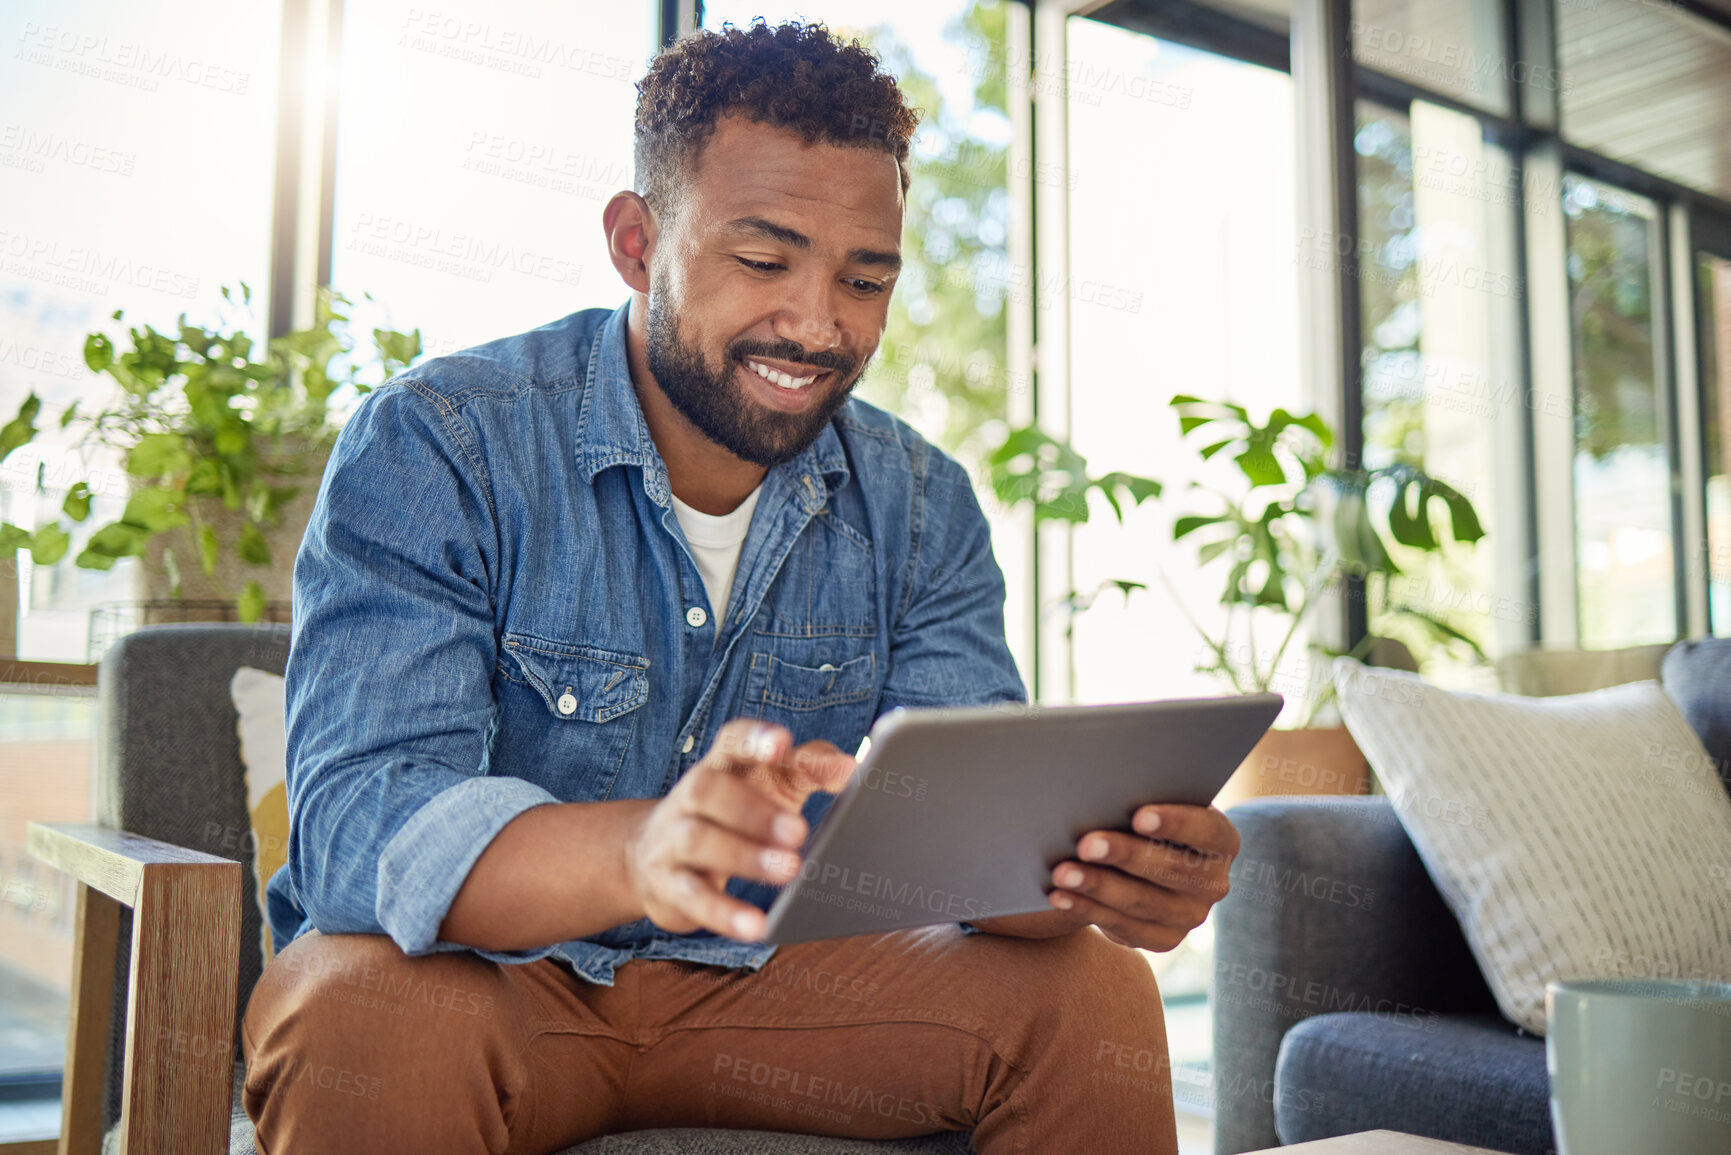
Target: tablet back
x=957, y=815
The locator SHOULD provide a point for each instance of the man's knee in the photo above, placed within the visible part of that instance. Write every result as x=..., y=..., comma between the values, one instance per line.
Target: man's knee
x=348, y=1015
x=1089, y=993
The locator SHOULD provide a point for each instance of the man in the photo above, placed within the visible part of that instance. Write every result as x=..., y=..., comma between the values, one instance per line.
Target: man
x=584, y=621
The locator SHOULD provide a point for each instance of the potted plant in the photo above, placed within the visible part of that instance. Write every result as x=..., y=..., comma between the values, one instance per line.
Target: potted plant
x=223, y=452
x=1291, y=530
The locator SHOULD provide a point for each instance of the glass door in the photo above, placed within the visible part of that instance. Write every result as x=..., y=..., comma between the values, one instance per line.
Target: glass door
x=1712, y=278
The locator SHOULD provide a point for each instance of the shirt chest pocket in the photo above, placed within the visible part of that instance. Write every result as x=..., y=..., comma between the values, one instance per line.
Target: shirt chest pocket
x=833, y=700
x=583, y=702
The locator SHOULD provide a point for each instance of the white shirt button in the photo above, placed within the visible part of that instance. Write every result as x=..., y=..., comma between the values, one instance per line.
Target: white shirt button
x=695, y=617
x=567, y=704
x=690, y=741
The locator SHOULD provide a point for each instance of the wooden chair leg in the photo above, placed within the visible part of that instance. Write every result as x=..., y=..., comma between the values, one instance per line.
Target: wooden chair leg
x=180, y=1029
x=96, y=937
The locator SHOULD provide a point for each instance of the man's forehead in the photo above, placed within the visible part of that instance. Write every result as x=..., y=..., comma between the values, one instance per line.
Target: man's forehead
x=750, y=174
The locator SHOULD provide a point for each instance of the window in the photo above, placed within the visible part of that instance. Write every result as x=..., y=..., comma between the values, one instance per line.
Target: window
x=1624, y=547
x=137, y=162
x=1182, y=279
x=1713, y=273
x=1454, y=47
x=1440, y=295
x=479, y=142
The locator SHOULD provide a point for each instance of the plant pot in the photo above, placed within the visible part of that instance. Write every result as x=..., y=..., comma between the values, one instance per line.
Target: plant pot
x=1319, y=760
x=231, y=575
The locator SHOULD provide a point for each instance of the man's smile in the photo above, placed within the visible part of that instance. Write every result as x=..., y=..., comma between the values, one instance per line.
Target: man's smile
x=782, y=373
x=784, y=386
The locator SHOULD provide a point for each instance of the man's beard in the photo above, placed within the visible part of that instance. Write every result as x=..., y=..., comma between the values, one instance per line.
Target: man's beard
x=712, y=399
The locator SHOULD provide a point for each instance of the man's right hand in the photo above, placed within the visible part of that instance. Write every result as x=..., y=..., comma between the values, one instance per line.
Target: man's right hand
x=736, y=813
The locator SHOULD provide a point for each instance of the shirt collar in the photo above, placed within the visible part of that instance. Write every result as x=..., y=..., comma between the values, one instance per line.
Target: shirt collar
x=611, y=430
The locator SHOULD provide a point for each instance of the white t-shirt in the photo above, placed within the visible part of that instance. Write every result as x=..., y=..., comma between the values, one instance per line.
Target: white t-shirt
x=715, y=544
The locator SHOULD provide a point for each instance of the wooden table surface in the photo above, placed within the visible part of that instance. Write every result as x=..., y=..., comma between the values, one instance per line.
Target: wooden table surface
x=1378, y=1143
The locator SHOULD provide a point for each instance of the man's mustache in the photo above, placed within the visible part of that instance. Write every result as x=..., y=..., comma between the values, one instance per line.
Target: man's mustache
x=790, y=351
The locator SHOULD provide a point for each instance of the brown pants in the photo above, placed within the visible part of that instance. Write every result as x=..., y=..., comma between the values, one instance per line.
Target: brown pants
x=1041, y=1047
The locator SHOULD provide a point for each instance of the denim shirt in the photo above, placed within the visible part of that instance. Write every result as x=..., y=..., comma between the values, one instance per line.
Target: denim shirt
x=495, y=608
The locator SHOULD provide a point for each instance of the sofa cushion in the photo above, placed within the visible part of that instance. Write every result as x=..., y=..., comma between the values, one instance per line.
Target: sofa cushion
x=1473, y=1079
x=1697, y=675
x=1579, y=837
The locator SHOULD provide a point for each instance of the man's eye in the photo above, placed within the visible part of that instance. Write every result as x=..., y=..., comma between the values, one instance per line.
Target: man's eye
x=864, y=286
x=759, y=266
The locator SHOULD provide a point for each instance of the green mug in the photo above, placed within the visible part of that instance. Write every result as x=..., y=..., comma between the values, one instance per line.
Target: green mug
x=1640, y=1066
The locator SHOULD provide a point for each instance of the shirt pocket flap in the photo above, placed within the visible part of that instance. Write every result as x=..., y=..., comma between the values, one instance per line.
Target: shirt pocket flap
x=795, y=687
x=581, y=683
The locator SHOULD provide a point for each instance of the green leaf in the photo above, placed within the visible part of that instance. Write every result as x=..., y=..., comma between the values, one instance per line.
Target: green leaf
x=1462, y=516
x=21, y=428
x=115, y=540
x=88, y=560
x=157, y=454
x=12, y=538
x=233, y=438
x=1213, y=549
x=251, y=602
x=1017, y=442
x=67, y=417
x=1190, y=524
x=98, y=352
x=252, y=547
x=1260, y=466
x=205, y=477
x=49, y=544
x=399, y=347
x=207, y=547
x=77, y=503
x=154, y=509
x=1208, y=451
x=1410, y=529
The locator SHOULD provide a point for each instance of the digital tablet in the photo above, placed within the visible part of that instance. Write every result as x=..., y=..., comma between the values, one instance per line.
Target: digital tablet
x=955, y=815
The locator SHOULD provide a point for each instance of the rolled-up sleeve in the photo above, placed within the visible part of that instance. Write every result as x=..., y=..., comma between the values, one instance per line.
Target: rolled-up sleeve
x=389, y=678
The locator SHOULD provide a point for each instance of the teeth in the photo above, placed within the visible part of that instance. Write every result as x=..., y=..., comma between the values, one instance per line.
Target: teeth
x=778, y=378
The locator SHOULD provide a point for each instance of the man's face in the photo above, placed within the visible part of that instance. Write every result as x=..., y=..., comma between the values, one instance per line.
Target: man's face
x=770, y=285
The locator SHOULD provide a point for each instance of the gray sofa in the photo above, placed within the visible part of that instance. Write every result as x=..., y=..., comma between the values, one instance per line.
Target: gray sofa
x=1345, y=998
x=168, y=767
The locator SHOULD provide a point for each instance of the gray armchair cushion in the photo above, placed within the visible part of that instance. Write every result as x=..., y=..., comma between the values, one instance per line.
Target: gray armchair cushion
x=1697, y=676
x=669, y=1142
x=1331, y=910
x=1473, y=1079
x=696, y=1142
x=168, y=767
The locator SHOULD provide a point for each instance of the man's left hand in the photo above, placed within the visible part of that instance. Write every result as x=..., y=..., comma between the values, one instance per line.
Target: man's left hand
x=1148, y=889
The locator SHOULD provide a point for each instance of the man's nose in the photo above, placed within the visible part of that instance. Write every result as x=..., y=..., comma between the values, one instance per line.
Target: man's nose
x=809, y=319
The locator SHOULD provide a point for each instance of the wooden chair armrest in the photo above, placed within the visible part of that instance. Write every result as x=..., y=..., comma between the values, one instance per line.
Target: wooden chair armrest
x=180, y=990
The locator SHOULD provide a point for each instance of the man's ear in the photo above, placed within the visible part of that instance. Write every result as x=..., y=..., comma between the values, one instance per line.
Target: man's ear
x=631, y=234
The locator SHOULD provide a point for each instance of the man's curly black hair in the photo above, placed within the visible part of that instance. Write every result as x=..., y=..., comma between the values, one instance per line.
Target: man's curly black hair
x=795, y=76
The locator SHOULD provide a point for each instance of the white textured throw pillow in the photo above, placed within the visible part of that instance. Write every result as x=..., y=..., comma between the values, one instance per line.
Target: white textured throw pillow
x=1579, y=837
